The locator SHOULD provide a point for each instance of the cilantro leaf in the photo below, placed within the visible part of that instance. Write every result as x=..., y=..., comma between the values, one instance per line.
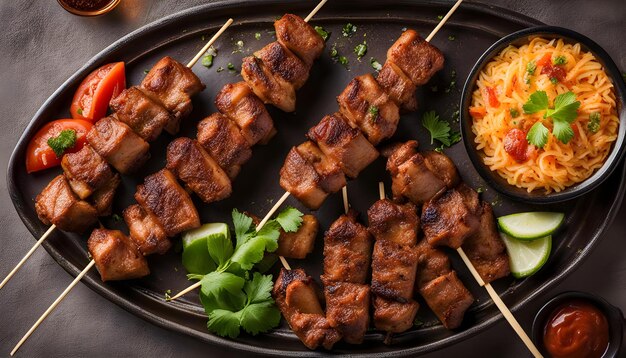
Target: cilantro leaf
x=220, y=248
x=565, y=108
x=594, y=122
x=259, y=289
x=439, y=130
x=260, y=317
x=266, y=263
x=224, y=323
x=252, y=251
x=290, y=219
x=562, y=130
x=216, y=282
x=538, y=135
x=538, y=101
x=62, y=142
x=242, y=224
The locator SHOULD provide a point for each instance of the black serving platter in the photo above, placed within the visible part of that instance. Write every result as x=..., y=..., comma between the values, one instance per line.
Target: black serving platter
x=471, y=30
x=613, y=160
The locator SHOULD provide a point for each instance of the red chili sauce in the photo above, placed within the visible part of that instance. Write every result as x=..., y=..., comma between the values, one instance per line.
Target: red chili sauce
x=576, y=329
x=87, y=5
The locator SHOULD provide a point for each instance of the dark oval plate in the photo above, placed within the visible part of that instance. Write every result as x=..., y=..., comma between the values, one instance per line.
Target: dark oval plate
x=471, y=30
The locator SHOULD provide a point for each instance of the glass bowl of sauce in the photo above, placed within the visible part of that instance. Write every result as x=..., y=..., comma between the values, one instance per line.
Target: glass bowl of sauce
x=88, y=7
x=578, y=325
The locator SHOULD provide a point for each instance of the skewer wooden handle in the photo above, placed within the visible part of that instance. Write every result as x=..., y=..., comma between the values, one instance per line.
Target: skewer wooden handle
x=208, y=44
x=53, y=306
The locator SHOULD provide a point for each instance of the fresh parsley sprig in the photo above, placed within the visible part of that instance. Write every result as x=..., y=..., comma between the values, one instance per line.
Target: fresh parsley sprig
x=64, y=141
x=563, y=114
x=439, y=129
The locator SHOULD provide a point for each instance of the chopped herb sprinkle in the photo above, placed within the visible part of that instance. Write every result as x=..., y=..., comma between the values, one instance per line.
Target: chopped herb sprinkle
x=560, y=60
x=79, y=111
x=373, y=110
x=220, y=69
x=145, y=72
x=333, y=52
x=375, y=64
x=257, y=36
x=322, y=32
x=594, y=122
x=514, y=112
x=343, y=60
x=62, y=142
x=231, y=67
x=207, y=60
x=452, y=37
x=554, y=80
x=116, y=218
x=439, y=17
x=531, y=67
x=167, y=295
x=361, y=49
x=348, y=30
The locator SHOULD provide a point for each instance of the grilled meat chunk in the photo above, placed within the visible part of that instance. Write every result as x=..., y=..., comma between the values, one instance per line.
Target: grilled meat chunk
x=172, y=84
x=366, y=106
x=432, y=263
x=297, y=245
x=485, y=248
x=284, y=64
x=268, y=87
x=309, y=175
x=118, y=144
x=399, y=153
x=343, y=144
x=347, y=251
x=242, y=106
x=102, y=199
x=418, y=59
x=299, y=37
x=448, y=298
x=392, y=316
x=162, y=196
x=447, y=221
x=145, y=231
x=86, y=171
x=398, y=87
x=57, y=204
x=393, y=270
x=198, y=170
x=442, y=166
x=221, y=138
x=296, y=297
x=116, y=256
x=145, y=116
x=347, y=309
x=393, y=222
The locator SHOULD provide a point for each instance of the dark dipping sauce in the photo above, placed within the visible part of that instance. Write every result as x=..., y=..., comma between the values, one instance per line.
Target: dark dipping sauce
x=87, y=5
x=576, y=329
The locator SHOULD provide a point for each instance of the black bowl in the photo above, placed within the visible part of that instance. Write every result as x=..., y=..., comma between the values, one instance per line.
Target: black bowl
x=539, y=196
x=614, y=317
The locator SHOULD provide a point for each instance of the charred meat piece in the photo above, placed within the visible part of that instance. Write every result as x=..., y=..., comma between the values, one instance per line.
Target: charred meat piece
x=145, y=116
x=367, y=107
x=448, y=298
x=145, y=231
x=442, y=166
x=284, y=64
x=198, y=170
x=242, y=106
x=447, y=221
x=86, y=171
x=172, y=84
x=102, y=199
x=343, y=144
x=392, y=316
x=116, y=256
x=57, y=204
x=399, y=153
x=393, y=270
x=221, y=138
x=418, y=59
x=268, y=87
x=470, y=198
x=118, y=144
x=297, y=245
x=393, y=222
x=309, y=175
x=398, y=87
x=486, y=250
x=347, y=309
x=162, y=196
x=432, y=263
x=347, y=251
x=296, y=297
x=299, y=37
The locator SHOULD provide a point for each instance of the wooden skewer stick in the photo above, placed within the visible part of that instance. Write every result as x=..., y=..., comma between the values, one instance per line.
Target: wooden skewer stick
x=30, y=252
x=344, y=194
x=314, y=11
x=53, y=306
x=443, y=21
x=208, y=44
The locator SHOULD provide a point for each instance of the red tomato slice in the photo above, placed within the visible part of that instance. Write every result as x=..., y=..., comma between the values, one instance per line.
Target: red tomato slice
x=92, y=97
x=492, y=97
x=40, y=156
x=545, y=60
x=516, y=145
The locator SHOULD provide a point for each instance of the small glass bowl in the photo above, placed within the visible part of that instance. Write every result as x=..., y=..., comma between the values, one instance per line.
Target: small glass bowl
x=96, y=12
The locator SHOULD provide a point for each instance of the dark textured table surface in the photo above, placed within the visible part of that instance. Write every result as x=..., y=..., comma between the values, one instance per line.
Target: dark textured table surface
x=43, y=45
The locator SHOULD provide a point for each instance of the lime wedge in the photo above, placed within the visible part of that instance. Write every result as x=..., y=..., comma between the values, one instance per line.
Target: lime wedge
x=527, y=257
x=530, y=226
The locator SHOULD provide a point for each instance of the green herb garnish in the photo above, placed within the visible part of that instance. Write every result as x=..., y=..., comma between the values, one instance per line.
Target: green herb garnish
x=168, y=296
x=257, y=36
x=62, y=142
x=333, y=52
x=207, y=59
x=559, y=60
x=348, y=30
x=230, y=67
x=79, y=111
x=439, y=17
x=563, y=114
x=451, y=37
x=531, y=67
x=343, y=60
x=513, y=112
x=439, y=130
x=375, y=64
x=360, y=49
x=594, y=122
x=373, y=111
x=146, y=71
x=116, y=218
x=220, y=69
x=538, y=135
x=322, y=32
x=554, y=80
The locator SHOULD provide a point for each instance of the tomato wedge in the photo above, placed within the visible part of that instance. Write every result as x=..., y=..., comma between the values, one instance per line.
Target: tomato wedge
x=91, y=100
x=40, y=156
